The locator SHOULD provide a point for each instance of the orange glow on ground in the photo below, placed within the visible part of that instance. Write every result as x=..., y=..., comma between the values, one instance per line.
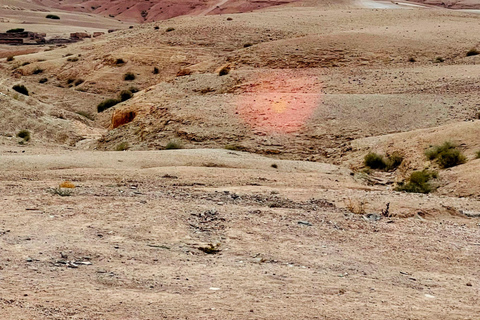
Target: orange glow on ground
x=273, y=109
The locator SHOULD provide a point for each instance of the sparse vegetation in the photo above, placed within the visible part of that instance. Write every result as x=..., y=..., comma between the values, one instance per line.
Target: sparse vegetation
x=10, y=58
x=472, y=52
x=155, y=70
x=125, y=95
x=78, y=82
x=72, y=59
x=355, y=206
x=122, y=146
x=224, y=71
x=67, y=184
x=274, y=165
x=246, y=45
x=438, y=60
x=20, y=88
x=24, y=134
x=173, y=144
x=119, y=61
x=412, y=59
x=477, y=155
x=234, y=147
x=447, y=155
x=375, y=161
x=26, y=63
x=129, y=76
x=170, y=29
x=419, y=182
x=37, y=70
x=16, y=30
x=133, y=89
x=122, y=96
x=62, y=192
x=106, y=104
x=52, y=16
x=43, y=80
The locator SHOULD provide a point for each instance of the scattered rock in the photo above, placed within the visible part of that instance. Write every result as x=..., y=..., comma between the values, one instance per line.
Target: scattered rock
x=371, y=217
x=305, y=223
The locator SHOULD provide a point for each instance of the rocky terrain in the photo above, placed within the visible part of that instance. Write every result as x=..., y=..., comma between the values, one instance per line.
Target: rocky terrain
x=266, y=209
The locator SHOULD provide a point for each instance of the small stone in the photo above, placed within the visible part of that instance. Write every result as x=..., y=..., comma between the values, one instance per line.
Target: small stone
x=305, y=223
x=29, y=259
x=469, y=284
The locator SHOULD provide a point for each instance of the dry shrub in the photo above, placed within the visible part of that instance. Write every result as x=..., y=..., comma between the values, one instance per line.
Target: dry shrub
x=67, y=184
x=355, y=206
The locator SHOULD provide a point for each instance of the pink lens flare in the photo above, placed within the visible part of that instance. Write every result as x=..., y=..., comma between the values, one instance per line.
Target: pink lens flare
x=279, y=106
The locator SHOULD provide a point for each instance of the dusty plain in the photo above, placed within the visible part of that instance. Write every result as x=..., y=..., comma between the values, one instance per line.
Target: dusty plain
x=267, y=211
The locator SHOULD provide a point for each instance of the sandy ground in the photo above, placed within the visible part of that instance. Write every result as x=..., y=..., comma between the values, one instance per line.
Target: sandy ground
x=125, y=243
x=209, y=233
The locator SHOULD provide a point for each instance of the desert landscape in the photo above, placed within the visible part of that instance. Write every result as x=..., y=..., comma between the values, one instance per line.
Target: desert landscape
x=239, y=159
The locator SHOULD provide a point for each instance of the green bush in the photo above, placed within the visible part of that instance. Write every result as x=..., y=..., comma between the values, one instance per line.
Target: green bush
x=125, y=95
x=20, y=88
x=24, y=134
x=122, y=146
x=106, y=104
x=447, y=155
x=16, y=30
x=52, y=16
x=375, y=161
x=419, y=182
x=129, y=76
x=473, y=52
x=173, y=144
x=451, y=158
x=394, y=161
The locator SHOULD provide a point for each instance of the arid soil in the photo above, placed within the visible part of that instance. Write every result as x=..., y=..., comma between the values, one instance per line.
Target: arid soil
x=126, y=243
x=267, y=211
